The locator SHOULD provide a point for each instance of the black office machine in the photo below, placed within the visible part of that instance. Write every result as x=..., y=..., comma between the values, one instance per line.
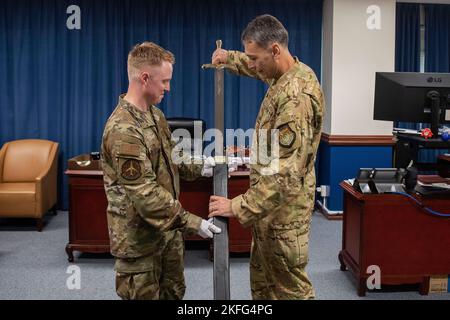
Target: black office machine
x=383, y=180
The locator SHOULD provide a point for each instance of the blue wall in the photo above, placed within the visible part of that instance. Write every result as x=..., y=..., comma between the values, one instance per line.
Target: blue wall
x=337, y=163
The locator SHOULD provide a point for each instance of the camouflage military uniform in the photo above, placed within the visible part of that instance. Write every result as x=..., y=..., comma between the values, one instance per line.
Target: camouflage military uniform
x=279, y=206
x=145, y=219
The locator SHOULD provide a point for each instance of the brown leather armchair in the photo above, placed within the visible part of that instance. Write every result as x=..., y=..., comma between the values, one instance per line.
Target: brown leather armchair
x=28, y=185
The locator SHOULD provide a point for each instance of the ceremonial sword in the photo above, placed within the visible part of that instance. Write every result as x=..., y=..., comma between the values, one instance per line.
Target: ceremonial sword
x=221, y=272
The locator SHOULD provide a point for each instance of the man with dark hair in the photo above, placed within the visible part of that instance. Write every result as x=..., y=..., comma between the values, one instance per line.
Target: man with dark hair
x=279, y=203
x=265, y=30
x=145, y=218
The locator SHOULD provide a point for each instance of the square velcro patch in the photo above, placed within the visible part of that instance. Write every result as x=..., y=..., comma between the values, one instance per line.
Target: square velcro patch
x=128, y=149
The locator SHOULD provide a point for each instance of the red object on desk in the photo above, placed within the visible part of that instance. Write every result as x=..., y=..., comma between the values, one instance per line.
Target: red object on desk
x=426, y=133
x=392, y=232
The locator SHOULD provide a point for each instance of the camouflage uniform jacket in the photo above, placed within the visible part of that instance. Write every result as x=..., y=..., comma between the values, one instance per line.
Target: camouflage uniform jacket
x=294, y=105
x=141, y=181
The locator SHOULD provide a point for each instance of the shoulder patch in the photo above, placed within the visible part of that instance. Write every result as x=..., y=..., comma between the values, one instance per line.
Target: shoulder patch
x=287, y=136
x=131, y=170
x=128, y=149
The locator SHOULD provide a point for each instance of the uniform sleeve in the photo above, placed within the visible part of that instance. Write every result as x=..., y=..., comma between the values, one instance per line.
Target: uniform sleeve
x=274, y=187
x=189, y=168
x=190, y=171
x=135, y=173
x=238, y=64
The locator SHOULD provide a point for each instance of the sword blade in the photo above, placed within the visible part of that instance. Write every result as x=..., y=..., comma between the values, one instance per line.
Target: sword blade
x=221, y=250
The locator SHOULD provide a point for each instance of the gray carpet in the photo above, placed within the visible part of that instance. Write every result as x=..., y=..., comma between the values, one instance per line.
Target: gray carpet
x=33, y=265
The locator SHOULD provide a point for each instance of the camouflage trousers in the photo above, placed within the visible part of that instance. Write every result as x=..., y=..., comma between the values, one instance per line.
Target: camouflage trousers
x=159, y=276
x=277, y=264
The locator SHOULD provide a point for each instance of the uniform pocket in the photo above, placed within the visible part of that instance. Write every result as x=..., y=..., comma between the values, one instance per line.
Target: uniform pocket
x=290, y=247
x=135, y=265
x=137, y=286
x=117, y=203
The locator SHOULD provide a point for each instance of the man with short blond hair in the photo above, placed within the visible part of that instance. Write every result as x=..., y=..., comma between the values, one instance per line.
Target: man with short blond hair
x=147, y=54
x=146, y=221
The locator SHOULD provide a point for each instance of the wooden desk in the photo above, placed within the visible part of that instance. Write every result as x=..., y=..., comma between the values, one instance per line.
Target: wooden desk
x=88, y=230
x=444, y=165
x=194, y=197
x=392, y=232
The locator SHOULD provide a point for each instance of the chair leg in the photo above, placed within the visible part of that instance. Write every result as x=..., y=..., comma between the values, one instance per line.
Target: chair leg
x=39, y=224
x=54, y=211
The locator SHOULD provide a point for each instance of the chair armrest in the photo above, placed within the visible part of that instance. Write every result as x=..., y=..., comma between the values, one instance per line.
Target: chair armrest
x=47, y=180
x=2, y=158
x=51, y=165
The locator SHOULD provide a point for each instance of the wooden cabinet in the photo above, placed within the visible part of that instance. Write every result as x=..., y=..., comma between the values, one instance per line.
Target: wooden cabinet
x=194, y=197
x=240, y=237
x=444, y=165
x=88, y=231
x=392, y=232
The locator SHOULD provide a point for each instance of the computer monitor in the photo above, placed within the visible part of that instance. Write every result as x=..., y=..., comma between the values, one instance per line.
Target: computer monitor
x=413, y=97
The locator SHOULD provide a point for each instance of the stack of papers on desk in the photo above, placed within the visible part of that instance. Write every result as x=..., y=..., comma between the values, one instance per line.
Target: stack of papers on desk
x=408, y=131
x=433, y=181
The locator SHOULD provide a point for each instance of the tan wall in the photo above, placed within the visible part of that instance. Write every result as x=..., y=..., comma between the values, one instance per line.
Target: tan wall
x=351, y=55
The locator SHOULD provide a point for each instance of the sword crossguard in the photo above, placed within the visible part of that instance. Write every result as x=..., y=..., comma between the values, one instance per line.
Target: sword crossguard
x=220, y=159
x=219, y=65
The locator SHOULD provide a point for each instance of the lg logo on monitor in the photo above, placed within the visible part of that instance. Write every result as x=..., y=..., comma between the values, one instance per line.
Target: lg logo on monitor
x=434, y=80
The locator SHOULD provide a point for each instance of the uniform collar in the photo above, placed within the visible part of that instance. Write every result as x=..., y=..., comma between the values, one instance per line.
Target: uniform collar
x=287, y=76
x=144, y=117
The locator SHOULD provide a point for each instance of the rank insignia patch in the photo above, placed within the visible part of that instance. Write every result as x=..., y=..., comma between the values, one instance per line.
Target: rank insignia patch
x=131, y=170
x=287, y=136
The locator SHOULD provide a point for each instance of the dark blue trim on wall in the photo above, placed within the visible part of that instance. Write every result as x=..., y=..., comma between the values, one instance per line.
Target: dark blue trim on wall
x=337, y=163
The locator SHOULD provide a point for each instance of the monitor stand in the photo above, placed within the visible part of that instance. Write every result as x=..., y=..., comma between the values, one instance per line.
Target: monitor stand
x=407, y=147
x=435, y=98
